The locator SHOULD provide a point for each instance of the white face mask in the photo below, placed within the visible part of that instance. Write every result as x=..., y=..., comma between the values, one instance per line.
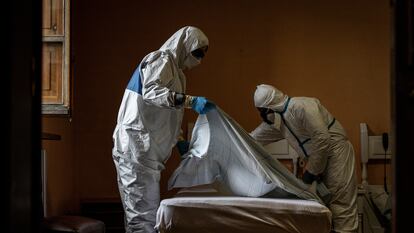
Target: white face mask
x=275, y=118
x=191, y=62
x=277, y=121
x=271, y=117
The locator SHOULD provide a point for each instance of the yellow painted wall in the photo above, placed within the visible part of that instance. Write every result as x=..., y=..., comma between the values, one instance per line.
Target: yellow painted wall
x=337, y=51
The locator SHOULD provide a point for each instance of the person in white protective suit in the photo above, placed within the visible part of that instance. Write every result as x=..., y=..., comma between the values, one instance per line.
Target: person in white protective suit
x=149, y=122
x=316, y=136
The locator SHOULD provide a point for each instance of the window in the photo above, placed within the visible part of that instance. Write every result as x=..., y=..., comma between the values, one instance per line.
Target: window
x=55, y=57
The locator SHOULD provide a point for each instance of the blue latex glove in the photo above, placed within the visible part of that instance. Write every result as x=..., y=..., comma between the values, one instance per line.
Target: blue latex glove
x=201, y=105
x=182, y=147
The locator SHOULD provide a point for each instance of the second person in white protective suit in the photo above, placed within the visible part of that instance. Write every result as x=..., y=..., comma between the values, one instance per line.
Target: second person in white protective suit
x=149, y=122
x=316, y=136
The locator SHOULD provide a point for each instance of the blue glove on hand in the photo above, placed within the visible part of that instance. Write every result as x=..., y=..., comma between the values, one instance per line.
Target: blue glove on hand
x=182, y=147
x=201, y=105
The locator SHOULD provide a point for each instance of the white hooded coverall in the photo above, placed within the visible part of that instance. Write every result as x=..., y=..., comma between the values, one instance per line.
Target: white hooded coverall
x=316, y=136
x=148, y=125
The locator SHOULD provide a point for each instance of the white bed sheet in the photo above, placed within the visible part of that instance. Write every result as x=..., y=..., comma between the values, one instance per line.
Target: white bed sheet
x=221, y=150
x=204, y=209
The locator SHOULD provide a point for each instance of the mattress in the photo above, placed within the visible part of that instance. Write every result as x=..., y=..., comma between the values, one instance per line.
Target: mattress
x=204, y=209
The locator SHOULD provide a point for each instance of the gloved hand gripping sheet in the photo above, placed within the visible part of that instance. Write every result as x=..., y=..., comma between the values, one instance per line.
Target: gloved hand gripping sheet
x=221, y=150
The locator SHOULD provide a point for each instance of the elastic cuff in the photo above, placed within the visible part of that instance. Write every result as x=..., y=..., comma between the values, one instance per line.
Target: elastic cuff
x=188, y=103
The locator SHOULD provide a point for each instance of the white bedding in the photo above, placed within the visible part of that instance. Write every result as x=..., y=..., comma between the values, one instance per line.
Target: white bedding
x=206, y=210
x=221, y=150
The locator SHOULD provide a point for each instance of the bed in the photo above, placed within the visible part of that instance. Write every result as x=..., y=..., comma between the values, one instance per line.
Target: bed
x=229, y=183
x=207, y=208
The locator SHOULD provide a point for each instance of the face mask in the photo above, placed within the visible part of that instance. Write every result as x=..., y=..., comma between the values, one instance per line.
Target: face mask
x=191, y=62
x=270, y=117
x=264, y=113
x=277, y=120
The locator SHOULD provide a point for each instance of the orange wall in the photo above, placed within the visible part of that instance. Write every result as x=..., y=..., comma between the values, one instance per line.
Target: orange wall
x=338, y=51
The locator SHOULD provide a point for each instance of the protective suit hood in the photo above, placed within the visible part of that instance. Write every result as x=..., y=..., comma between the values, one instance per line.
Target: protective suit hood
x=182, y=43
x=267, y=96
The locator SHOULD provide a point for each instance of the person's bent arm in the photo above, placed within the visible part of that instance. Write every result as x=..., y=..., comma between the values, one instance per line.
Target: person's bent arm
x=266, y=134
x=320, y=138
x=158, y=78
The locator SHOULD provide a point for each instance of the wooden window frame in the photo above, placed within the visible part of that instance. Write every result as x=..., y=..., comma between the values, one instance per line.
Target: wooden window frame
x=63, y=106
